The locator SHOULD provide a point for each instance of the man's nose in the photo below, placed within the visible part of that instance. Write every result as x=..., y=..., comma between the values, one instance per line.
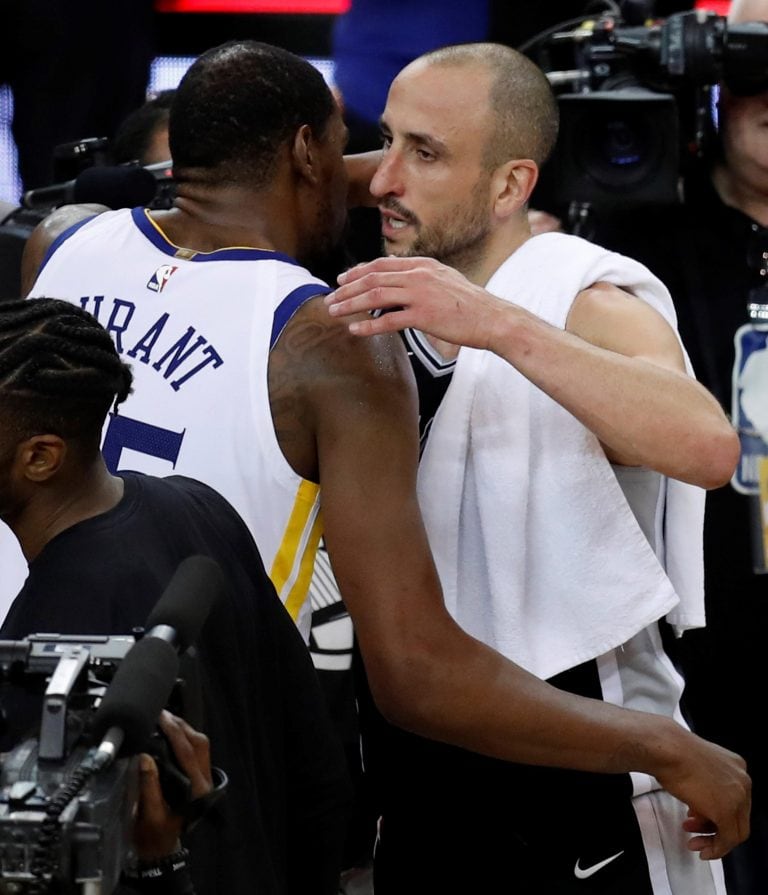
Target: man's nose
x=388, y=179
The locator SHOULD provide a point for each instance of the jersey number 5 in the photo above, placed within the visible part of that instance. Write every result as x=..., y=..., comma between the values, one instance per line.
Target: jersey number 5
x=124, y=432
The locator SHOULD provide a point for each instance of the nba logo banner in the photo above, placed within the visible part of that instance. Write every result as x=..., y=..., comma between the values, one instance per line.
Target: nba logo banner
x=750, y=404
x=160, y=277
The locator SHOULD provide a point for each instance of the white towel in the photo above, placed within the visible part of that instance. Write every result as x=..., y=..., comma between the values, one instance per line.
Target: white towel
x=538, y=551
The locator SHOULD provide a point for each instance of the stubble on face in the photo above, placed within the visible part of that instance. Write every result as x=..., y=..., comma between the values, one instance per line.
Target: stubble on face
x=457, y=239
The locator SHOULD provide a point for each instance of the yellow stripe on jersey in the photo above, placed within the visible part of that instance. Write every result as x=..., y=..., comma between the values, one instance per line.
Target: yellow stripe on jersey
x=292, y=567
x=300, y=589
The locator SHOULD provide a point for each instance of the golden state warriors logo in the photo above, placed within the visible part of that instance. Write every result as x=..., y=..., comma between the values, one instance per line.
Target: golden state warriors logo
x=160, y=277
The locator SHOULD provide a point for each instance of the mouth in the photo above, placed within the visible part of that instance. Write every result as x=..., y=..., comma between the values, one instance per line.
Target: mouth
x=393, y=224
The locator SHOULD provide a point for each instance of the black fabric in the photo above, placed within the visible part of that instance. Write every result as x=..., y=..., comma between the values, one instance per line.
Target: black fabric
x=280, y=828
x=456, y=821
x=431, y=389
x=76, y=70
x=699, y=250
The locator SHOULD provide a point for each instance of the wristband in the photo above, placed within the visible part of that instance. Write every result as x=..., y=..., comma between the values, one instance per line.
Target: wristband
x=160, y=868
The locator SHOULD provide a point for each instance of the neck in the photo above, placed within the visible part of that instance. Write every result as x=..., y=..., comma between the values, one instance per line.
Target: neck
x=743, y=193
x=208, y=218
x=500, y=244
x=54, y=508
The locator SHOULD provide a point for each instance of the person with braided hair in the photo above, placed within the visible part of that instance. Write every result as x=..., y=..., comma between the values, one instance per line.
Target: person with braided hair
x=101, y=549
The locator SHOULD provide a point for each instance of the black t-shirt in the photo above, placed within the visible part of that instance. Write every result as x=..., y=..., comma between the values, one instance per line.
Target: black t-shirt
x=280, y=827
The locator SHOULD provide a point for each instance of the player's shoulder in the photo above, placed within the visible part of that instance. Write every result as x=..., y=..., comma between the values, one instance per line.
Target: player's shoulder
x=180, y=489
x=53, y=229
x=318, y=343
x=63, y=219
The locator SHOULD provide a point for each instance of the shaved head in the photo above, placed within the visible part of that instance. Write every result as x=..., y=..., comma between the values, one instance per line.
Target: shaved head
x=748, y=11
x=523, y=108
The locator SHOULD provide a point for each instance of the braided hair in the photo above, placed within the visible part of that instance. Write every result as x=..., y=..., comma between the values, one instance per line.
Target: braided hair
x=59, y=370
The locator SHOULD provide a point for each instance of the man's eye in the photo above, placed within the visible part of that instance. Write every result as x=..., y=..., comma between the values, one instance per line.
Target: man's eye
x=386, y=141
x=425, y=155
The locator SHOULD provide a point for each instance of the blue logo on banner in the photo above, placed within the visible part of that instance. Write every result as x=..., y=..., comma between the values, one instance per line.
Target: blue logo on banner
x=750, y=404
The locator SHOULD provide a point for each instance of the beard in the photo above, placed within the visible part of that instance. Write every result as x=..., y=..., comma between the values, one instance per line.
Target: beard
x=458, y=240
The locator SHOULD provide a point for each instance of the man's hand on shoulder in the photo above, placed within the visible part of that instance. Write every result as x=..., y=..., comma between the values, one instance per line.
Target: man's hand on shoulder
x=420, y=293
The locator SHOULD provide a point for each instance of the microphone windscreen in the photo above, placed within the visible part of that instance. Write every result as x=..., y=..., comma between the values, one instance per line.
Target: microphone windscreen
x=186, y=601
x=123, y=186
x=138, y=692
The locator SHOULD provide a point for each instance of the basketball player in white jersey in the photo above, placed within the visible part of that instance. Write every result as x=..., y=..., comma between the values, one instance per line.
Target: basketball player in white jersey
x=277, y=401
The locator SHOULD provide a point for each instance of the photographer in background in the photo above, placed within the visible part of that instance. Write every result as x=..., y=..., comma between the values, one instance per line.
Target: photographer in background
x=143, y=136
x=711, y=252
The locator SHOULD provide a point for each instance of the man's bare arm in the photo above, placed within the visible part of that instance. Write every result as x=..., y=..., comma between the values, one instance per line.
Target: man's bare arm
x=361, y=167
x=426, y=674
x=617, y=367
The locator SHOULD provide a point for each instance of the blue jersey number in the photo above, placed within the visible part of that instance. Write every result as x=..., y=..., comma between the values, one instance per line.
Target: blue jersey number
x=123, y=432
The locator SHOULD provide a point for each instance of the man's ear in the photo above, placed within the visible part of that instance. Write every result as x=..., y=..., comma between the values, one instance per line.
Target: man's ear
x=512, y=184
x=40, y=458
x=304, y=153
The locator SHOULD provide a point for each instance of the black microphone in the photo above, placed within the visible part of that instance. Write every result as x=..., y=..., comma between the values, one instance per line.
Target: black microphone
x=144, y=680
x=121, y=186
x=183, y=608
x=135, y=697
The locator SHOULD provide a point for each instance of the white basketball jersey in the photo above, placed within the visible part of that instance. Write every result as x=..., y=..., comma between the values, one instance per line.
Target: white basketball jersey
x=196, y=329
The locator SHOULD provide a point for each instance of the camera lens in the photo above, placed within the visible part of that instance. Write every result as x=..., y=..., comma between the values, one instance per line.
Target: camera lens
x=622, y=145
x=620, y=150
x=615, y=147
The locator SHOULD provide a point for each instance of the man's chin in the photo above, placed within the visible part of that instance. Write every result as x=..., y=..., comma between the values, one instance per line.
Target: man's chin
x=390, y=247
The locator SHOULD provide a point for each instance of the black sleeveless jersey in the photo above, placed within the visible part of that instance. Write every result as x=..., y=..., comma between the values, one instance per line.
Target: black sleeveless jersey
x=433, y=376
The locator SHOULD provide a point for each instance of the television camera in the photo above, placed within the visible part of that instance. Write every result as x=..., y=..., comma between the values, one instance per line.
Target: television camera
x=90, y=177
x=68, y=795
x=637, y=103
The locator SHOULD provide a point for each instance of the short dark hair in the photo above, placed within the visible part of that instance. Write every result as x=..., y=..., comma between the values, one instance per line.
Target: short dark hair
x=135, y=132
x=521, y=100
x=237, y=105
x=59, y=370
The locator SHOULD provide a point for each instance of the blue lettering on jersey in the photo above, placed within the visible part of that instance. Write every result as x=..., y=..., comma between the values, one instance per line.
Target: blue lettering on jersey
x=119, y=320
x=147, y=342
x=176, y=358
x=124, y=432
x=176, y=354
x=212, y=357
x=96, y=309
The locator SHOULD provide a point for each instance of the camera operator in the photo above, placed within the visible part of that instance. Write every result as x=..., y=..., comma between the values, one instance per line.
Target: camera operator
x=711, y=253
x=102, y=548
x=162, y=862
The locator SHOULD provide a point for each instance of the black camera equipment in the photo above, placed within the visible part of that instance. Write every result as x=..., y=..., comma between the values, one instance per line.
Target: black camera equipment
x=67, y=796
x=636, y=102
x=116, y=186
x=71, y=159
